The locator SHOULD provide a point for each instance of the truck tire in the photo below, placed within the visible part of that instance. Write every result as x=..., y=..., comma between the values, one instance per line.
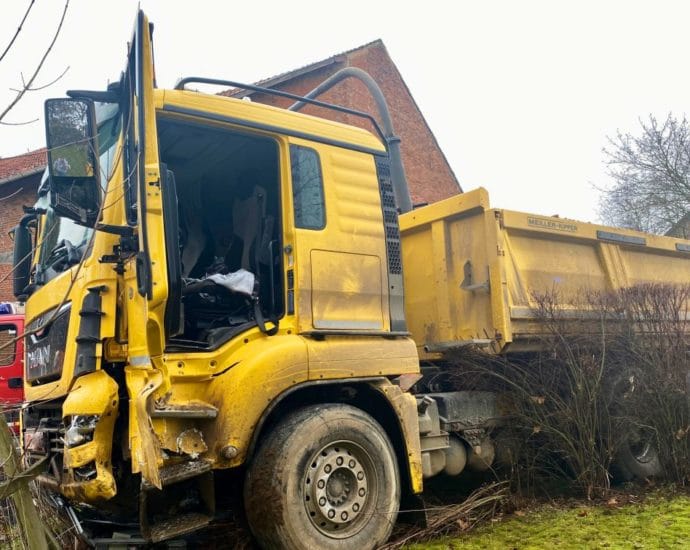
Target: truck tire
x=325, y=477
x=638, y=458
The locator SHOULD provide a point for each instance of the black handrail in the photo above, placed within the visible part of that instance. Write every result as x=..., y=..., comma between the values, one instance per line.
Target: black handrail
x=217, y=82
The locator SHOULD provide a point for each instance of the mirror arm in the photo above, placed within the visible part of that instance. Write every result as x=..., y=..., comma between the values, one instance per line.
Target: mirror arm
x=34, y=211
x=27, y=218
x=109, y=96
x=121, y=230
x=127, y=247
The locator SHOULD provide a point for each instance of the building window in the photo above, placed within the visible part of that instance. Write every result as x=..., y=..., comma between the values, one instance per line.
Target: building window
x=307, y=188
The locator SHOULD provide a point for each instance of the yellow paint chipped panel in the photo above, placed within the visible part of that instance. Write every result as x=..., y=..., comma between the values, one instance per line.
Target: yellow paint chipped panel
x=242, y=385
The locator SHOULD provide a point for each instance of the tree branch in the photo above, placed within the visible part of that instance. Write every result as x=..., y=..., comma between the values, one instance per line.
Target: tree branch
x=651, y=189
x=3, y=123
x=28, y=85
x=19, y=29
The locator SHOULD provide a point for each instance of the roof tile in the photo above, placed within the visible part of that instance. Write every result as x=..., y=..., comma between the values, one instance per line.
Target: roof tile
x=22, y=165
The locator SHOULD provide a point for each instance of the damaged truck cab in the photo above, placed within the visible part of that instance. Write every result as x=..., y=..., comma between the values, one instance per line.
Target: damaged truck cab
x=206, y=271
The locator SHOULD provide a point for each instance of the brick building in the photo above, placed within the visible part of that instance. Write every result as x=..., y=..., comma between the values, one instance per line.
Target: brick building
x=429, y=175
x=19, y=179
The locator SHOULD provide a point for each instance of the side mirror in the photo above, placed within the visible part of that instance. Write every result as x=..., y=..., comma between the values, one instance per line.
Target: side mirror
x=23, y=255
x=71, y=135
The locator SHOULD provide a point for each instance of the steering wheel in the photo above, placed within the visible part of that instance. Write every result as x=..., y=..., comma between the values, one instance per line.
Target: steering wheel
x=65, y=254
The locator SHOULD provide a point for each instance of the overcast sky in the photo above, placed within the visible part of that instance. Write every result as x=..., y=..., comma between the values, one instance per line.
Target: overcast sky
x=520, y=95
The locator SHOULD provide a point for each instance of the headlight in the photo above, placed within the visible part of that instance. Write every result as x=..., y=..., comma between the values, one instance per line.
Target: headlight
x=80, y=429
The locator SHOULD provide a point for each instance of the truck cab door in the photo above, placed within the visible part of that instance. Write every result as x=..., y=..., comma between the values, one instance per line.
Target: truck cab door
x=146, y=274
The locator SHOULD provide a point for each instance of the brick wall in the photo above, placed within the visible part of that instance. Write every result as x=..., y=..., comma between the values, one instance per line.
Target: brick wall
x=13, y=195
x=19, y=179
x=428, y=173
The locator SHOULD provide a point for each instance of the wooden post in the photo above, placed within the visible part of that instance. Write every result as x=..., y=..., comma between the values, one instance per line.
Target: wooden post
x=29, y=520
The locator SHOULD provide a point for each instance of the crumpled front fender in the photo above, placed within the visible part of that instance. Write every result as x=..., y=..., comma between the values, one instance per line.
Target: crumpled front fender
x=93, y=394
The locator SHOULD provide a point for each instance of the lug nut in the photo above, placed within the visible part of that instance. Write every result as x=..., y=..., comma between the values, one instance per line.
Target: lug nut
x=229, y=452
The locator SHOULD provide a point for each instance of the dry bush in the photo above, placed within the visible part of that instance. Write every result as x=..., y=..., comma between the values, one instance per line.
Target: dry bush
x=10, y=536
x=57, y=526
x=478, y=508
x=649, y=354
x=615, y=370
x=59, y=529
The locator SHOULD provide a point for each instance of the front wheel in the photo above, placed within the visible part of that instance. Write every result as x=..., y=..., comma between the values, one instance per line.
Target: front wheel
x=324, y=477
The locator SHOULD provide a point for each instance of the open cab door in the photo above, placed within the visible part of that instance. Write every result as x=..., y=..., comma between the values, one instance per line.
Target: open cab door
x=146, y=279
x=152, y=303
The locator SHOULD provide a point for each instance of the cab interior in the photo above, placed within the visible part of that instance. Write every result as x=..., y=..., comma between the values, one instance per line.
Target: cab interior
x=227, y=189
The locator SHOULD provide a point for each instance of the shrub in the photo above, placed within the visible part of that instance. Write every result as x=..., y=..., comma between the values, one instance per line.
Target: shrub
x=609, y=378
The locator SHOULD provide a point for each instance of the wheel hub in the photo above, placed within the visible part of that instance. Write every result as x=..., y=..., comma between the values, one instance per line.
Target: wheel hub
x=642, y=446
x=336, y=488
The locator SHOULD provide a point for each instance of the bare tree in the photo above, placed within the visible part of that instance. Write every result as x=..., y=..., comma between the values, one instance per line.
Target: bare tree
x=27, y=85
x=35, y=533
x=651, y=176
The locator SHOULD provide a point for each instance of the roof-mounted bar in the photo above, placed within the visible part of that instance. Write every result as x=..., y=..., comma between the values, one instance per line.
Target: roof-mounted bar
x=217, y=82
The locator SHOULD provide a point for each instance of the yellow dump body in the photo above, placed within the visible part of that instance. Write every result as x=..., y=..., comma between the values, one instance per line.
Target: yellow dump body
x=472, y=273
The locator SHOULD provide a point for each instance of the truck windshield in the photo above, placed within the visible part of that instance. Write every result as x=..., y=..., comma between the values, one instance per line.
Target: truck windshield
x=62, y=241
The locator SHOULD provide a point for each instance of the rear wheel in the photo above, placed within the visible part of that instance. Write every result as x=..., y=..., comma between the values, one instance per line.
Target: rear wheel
x=639, y=456
x=325, y=477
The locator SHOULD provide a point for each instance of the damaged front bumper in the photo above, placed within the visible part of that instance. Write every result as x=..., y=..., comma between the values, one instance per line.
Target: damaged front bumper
x=89, y=414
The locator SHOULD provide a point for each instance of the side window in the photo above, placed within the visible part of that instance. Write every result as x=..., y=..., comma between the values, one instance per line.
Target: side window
x=307, y=188
x=7, y=350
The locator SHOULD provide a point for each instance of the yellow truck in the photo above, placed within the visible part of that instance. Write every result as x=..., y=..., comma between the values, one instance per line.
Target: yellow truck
x=222, y=303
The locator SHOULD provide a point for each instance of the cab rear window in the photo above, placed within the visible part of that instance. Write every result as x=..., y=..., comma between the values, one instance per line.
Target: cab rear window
x=307, y=188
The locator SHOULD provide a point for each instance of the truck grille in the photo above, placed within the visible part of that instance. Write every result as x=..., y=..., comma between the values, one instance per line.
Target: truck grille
x=43, y=436
x=45, y=347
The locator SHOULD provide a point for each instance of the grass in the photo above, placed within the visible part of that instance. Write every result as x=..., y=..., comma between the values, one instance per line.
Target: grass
x=660, y=521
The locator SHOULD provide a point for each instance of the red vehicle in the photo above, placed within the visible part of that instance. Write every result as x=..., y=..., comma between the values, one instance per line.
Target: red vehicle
x=11, y=364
